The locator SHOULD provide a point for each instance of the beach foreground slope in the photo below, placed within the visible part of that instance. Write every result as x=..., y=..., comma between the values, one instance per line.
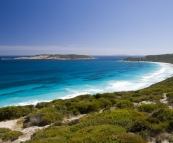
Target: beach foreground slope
x=140, y=116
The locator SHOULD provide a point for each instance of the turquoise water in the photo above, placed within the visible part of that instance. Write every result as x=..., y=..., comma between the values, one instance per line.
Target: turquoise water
x=30, y=81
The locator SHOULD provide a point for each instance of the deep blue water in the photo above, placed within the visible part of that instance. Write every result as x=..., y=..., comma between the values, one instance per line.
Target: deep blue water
x=30, y=81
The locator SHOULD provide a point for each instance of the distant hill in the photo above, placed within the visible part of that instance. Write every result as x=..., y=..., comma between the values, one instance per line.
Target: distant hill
x=57, y=57
x=166, y=58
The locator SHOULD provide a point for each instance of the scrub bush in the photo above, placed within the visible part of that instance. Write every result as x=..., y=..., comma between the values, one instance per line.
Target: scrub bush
x=11, y=135
x=147, y=108
x=124, y=104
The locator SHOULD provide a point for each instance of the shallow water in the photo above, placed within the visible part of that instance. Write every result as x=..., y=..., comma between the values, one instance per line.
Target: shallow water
x=30, y=81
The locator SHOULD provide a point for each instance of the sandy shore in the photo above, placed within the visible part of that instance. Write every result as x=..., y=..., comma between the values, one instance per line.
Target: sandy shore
x=8, y=124
x=27, y=132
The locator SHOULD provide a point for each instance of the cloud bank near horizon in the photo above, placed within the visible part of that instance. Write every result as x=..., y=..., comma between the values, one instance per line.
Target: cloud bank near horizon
x=73, y=49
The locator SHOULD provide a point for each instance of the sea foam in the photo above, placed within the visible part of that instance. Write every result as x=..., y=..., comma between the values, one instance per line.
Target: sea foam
x=164, y=71
x=69, y=79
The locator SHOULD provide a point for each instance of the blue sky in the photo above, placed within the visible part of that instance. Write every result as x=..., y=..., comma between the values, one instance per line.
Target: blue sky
x=93, y=27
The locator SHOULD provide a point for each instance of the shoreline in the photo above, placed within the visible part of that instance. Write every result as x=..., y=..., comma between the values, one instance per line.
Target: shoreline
x=170, y=64
x=159, y=63
x=112, y=85
x=16, y=124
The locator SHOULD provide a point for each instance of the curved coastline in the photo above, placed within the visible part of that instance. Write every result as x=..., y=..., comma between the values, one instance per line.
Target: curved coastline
x=120, y=97
x=166, y=71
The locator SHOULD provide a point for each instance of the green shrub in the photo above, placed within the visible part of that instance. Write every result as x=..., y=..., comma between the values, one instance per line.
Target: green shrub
x=12, y=135
x=136, y=94
x=147, y=108
x=124, y=104
x=86, y=98
x=170, y=126
x=105, y=95
x=114, y=117
x=98, y=133
x=13, y=112
x=135, y=99
x=47, y=119
x=139, y=122
x=164, y=115
x=93, y=107
x=60, y=106
x=57, y=123
x=171, y=140
x=57, y=134
x=42, y=105
x=153, y=120
x=139, y=125
x=130, y=138
x=3, y=131
x=75, y=111
x=82, y=107
x=145, y=98
x=157, y=90
x=104, y=102
x=170, y=97
x=157, y=128
x=162, y=106
x=169, y=94
x=43, y=117
x=117, y=117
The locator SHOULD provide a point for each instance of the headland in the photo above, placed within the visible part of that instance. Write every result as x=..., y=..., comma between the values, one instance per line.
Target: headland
x=165, y=58
x=56, y=57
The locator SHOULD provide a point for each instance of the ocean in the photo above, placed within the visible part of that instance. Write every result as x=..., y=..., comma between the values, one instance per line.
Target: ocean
x=24, y=82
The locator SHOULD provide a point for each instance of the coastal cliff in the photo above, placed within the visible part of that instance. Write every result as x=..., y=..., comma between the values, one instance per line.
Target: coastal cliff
x=57, y=57
x=166, y=58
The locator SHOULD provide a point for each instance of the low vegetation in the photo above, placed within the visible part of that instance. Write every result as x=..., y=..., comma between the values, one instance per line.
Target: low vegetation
x=118, y=117
x=57, y=57
x=9, y=135
x=13, y=112
x=166, y=58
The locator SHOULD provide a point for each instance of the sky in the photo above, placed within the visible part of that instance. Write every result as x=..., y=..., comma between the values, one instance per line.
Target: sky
x=91, y=27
